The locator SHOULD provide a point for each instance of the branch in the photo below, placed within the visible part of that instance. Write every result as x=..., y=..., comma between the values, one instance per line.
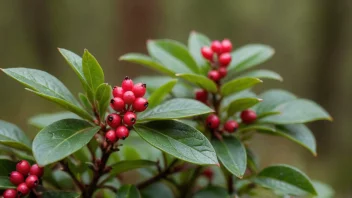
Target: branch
x=72, y=175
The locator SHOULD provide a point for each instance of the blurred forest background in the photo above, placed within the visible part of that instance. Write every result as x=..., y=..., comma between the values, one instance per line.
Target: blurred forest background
x=312, y=40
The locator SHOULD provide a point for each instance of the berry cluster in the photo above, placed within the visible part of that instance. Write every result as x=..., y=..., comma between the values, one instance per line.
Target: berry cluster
x=127, y=100
x=219, y=55
x=26, y=177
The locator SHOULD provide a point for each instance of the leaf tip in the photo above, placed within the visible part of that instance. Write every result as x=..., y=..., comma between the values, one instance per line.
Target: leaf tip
x=330, y=119
x=218, y=164
x=260, y=100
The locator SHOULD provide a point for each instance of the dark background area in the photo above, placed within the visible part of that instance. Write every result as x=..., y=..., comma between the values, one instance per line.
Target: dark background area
x=312, y=40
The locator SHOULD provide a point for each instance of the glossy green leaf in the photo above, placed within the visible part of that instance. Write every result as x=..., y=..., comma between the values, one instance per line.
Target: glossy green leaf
x=103, y=96
x=173, y=55
x=196, y=41
x=60, y=194
x=174, y=109
x=157, y=190
x=230, y=98
x=148, y=62
x=128, y=165
x=85, y=102
x=6, y=167
x=212, y=192
x=232, y=154
x=238, y=84
x=128, y=191
x=159, y=94
x=12, y=136
x=178, y=140
x=61, y=139
x=5, y=183
x=43, y=120
x=200, y=81
x=252, y=161
x=258, y=126
x=241, y=104
x=263, y=74
x=323, y=190
x=286, y=179
x=297, y=111
x=92, y=71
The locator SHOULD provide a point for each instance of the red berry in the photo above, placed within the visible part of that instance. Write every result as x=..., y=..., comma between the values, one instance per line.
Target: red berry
x=128, y=97
x=113, y=120
x=248, y=116
x=22, y=189
x=231, y=126
x=140, y=104
x=117, y=92
x=117, y=104
x=214, y=75
x=139, y=89
x=208, y=173
x=122, y=132
x=23, y=167
x=16, y=177
x=222, y=72
x=36, y=170
x=111, y=136
x=213, y=121
x=32, y=181
x=225, y=59
x=129, y=118
x=216, y=47
x=127, y=84
x=207, y=53
x=202, y=95
x=226, y=45
x=10, y=193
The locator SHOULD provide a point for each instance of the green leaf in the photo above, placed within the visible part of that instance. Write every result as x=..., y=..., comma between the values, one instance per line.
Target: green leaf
x=61, y=139
x=286, y=179
x=263, y=74
x=230, y=98
x=128, y=165
x=157, y=190
x=148, y=62
x=6, y=167
x=175, y=109
x=212, y=192
x=92, y=71
x=159, y=95
x=5, y=183
x=43, y=120
x=200, y=81
x=297, y=111
x=241, y=104
x=128, y=191
x=60, y=194
x=323, y=190
x=257, y=126
x=232, y=154
x=173, y=55
x=178, y=140
x=196, y=41
x=103, y=96
x=238, y=84
x=12, y=136
x=249, y=56
x=85, y=102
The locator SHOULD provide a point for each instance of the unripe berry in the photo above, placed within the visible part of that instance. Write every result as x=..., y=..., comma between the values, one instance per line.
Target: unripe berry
x=226, y=45
x=225, y=59
x=212, y=121
x=202, y=95
x=113, y=120
x=214, y=75
x=22, y=189
x=208, y=173
x=216, y=47
x=140, y=104
x=207, y=53
x=10, y=193
x=248, y=116
x=122, y=132
x=32, y=181
x=16, y=178
x=128, y=97
x=222, y=72
x=139, y=89
x=231, y=126
x=117, y=104
x=117, y=92
x=127, y=84
x=111, y=136
x=36, y=170
x=23, y=167
x=129, y=118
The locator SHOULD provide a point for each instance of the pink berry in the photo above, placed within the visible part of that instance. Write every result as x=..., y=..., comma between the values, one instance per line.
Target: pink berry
x=248, y=116
x=113, y=120
x=139, y=89
x=226, y=45
x=231, y=126
x=207, y=53
x=111, y=136
x=117, y=104
x=202, y=95
x=214, y=75
x=129, y=118
x=208, y=173
x=222, y=72
x=122, y=132
x=32, y=181
x=127, y=84
x=36, y=170
x=23, y=167
x=212, y=121
x=22, y=189
x=117, y=92
x=10, y=193
x=16, y=178
x=225, y=59
x=140, y=104
x=216, y=47
x=128, y=97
